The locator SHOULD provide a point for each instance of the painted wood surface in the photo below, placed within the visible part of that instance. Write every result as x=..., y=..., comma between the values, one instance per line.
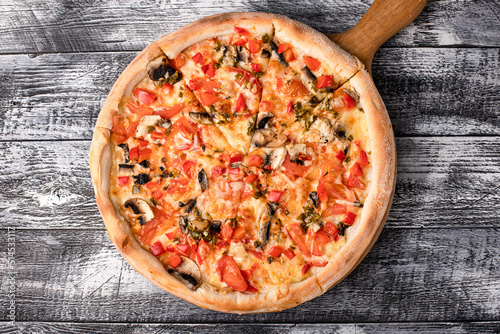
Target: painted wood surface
x=410, y=275
x=435, y=268
x=253, y=328
x=31, y=26
x=427, y=91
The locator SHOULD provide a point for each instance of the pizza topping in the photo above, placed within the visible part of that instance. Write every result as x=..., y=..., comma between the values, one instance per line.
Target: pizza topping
x=141, y=208
x=243, y=54
x=201, y=117
x=263, y=118
x=126, y=169
x=230, y=273
x=187, y=272
x=325, y=81
x=276, y=158
x=313, y=195
x=280, y=56
x=146, y=123
x=320, y=131
x=265, y=54
x=265, y=224
x=203, y=180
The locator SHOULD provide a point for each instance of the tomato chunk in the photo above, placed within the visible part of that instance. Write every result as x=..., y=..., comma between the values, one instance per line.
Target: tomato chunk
x=209, y=69
x=208, y=98
x=157, y=248
x=283, y=47
x=274, y=196
x=356, y=170
x=340, y=155
x=305, y=268
x=174, y=260
x=320, y=239
x=250, y=178
x=324, y=81
x=257, y=254
x=123, y=180
x=289, y=108
x=297, y=235
x=198, y=58
x=323, y=196
x=227, y=232
x=144, y=96
x=242, y=32
x=275, y=251
x=240, y=103
x=254, y=160
x=183, y=249
x=239, y=233
x=294, y=168
x=289, y=55
x=331, y=230
x=169, y=112
x=354, y=182
x=230, y=273
x=257, y=67
x=253, y=46
x=319, y=263
x=241, y=41
x=349, y=218
x=363, y=158
x=145, y=154
x=348, y=100
x=289, y=253
x=134, y=153
x=218, y=170
x=312, y=63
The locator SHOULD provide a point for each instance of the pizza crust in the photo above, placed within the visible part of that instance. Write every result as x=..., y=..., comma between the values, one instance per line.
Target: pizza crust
x=376, y=206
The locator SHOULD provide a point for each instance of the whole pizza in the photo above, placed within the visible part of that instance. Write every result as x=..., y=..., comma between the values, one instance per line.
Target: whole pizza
x=244, y=163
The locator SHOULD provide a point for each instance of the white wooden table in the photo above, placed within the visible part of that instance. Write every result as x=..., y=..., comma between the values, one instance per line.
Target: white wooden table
x=436, y=266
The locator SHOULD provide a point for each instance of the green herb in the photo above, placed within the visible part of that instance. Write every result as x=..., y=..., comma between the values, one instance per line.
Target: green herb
x=239, y=76
x=219, y=150
x=151, y=128
x=218, y=45
x=257, y=194
x=266, y=38
x=251, y=124
x=350, y=138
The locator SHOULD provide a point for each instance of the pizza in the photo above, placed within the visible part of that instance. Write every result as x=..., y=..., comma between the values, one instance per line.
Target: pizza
x=244, y=163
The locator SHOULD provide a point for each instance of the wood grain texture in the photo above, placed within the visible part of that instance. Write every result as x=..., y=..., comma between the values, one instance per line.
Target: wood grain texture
x=30, y=26
x=410, y=275
x=427, y=92
x=442, y=182
x=253, y=328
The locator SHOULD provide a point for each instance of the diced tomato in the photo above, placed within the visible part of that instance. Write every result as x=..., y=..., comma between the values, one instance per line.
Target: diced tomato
x=324, y=81
x=246, y=274
x=246, y=77
x=188, y=168
x=254, y=160
x=254, y=46
x=239, y=233
x=172, y=235
x=250, y=178
x=178, y=61
x=320, y=239
x=267, y=106
x=251, y=288
x=334, y=209
x=124, y=126
x=119, y=139
x=241, y=41
x=348, y=100
x=230, y=273
x=177, y=185
x=289, y=55
x=208, y=98
x=234, y=171
x=295, y=88
x=183, y=250
x=363, y=158
x=323, y=197
x=134, y=153
x=297, y=235
x=319, y=263
x=330, y=229
x=305, y=268
x=356, y=170
x=157, y=248
x=142, y=142
x=289, y=108
x=157, y=194
x=198, y=58
x=226, y=232
x=123, y=180
x=289, y=253
x=349, y=218
x=139, y=110
x=354, y=182
x=144, y=96
x=242, y=32
x=257, y=254
x=144, y=154
x=340, y=155
x=283, y=47
x=157, y=135
x=194, y=84
x=257, y=67
x=209, y=69
x=169, y=112
x=275, y=251
x=167, y=88
x=218, y=170
x=174, y=260
x=239, y=105
x=312, y=63
x=274, y=196
x=294, y=168
x=202, y=251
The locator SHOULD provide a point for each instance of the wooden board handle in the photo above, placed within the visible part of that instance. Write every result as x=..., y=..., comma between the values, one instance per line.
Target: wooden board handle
x=383, y=20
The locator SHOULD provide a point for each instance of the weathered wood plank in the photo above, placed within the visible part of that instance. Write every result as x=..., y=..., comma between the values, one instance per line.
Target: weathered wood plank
x=442, y=182
x=427, y=92
x=79, y=26
x=251, y=328
x=410, y=275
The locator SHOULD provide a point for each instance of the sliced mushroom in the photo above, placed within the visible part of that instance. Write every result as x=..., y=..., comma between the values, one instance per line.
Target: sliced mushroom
x=142, y=208
x=320, y=131
x=277, y=141
x=276, y=158
x=262, y=137
x=126, y=156
x=295, y=150
x=230, y=56
x=203, y=180
x=265, y=54
x=201, y=117
x=199, y=224
x=265, y=224
x=187, y=272
x=313, y=195
x=126, y=169
x=183, y=224
x=167, y=124
x=263, y=119
x=157, y=68
x=243, y=54
x=146, y=123
x=190, y=206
